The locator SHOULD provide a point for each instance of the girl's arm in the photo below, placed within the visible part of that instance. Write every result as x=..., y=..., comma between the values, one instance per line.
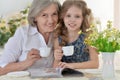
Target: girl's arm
x=92, y=63
x=57, y=53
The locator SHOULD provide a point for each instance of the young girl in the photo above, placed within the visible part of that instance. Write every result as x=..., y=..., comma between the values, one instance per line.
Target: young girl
x=74, y=17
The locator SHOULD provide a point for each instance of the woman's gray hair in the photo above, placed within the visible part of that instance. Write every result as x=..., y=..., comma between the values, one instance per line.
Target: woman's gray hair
x=37, y=6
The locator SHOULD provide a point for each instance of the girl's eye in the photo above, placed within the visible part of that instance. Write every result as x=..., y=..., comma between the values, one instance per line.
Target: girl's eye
x=68, y=16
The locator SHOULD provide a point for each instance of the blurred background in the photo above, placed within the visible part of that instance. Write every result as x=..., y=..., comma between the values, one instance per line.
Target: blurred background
x=13, y=13
x=103, y=10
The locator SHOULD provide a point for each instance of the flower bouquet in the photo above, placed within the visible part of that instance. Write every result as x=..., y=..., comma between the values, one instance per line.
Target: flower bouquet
x=107, y=40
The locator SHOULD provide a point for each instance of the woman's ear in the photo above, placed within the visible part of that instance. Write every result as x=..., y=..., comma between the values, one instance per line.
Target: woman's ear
x=35, y=20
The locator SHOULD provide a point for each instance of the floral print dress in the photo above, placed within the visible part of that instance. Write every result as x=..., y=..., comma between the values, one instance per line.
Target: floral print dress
x=80, y=52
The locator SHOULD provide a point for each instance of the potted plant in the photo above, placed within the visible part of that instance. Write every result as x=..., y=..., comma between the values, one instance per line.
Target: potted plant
x=107, y=42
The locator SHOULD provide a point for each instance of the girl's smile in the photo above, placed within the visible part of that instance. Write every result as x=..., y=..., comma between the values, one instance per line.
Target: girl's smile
x=73, y=18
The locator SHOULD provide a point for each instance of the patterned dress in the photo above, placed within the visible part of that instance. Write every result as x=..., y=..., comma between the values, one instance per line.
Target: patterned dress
x=80, y=54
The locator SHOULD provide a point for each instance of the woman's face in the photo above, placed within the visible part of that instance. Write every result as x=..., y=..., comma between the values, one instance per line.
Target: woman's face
x=47, y=19
x=73, y=18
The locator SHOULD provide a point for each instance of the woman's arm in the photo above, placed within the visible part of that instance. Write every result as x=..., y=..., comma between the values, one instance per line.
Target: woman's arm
x=18, y=66
x=92, y=63
x=32, y=56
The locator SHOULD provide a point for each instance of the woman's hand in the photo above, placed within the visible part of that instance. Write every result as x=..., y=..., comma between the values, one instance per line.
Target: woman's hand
x=33, y=55
x=58, y=53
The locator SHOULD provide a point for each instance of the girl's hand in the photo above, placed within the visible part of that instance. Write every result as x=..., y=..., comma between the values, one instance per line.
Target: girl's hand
x=65, y=65
x=33, y=55
x=58, y=53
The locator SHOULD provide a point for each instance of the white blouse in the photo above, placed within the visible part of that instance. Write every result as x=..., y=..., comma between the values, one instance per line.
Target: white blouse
x=24, y=39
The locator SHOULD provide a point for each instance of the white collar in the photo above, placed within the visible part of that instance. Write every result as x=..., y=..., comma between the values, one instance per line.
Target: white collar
x=32, y=30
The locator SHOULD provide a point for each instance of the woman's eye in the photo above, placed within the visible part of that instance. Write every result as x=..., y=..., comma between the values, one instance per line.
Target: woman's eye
x=55, y=14
x=44, y=15
x=77, y=16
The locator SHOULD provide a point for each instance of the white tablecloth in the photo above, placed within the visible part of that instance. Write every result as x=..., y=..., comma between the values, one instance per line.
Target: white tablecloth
x=28, y=78
x=90, y=74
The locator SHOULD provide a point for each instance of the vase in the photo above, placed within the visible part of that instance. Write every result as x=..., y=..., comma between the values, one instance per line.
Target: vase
x=108, y=72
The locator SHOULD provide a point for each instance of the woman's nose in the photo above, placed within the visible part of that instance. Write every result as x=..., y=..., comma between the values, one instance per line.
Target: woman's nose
x=50, y=19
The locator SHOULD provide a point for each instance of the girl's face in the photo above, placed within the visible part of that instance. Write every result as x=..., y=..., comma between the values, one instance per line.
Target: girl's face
x=73, y=18
x=47, y=19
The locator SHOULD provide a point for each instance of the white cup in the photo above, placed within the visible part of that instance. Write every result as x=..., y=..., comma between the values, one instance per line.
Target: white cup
x=68, y=50
x=45, y=51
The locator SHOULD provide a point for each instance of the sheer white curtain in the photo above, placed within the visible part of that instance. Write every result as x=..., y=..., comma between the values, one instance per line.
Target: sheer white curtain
x=117, y=13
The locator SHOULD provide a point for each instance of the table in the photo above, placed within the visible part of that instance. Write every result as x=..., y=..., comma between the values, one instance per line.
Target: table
x=90, y=74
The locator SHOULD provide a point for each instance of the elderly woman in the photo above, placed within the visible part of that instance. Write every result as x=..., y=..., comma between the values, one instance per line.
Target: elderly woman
x=22, y=50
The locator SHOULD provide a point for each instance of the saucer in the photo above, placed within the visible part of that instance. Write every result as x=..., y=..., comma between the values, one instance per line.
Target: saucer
x=18, y=74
